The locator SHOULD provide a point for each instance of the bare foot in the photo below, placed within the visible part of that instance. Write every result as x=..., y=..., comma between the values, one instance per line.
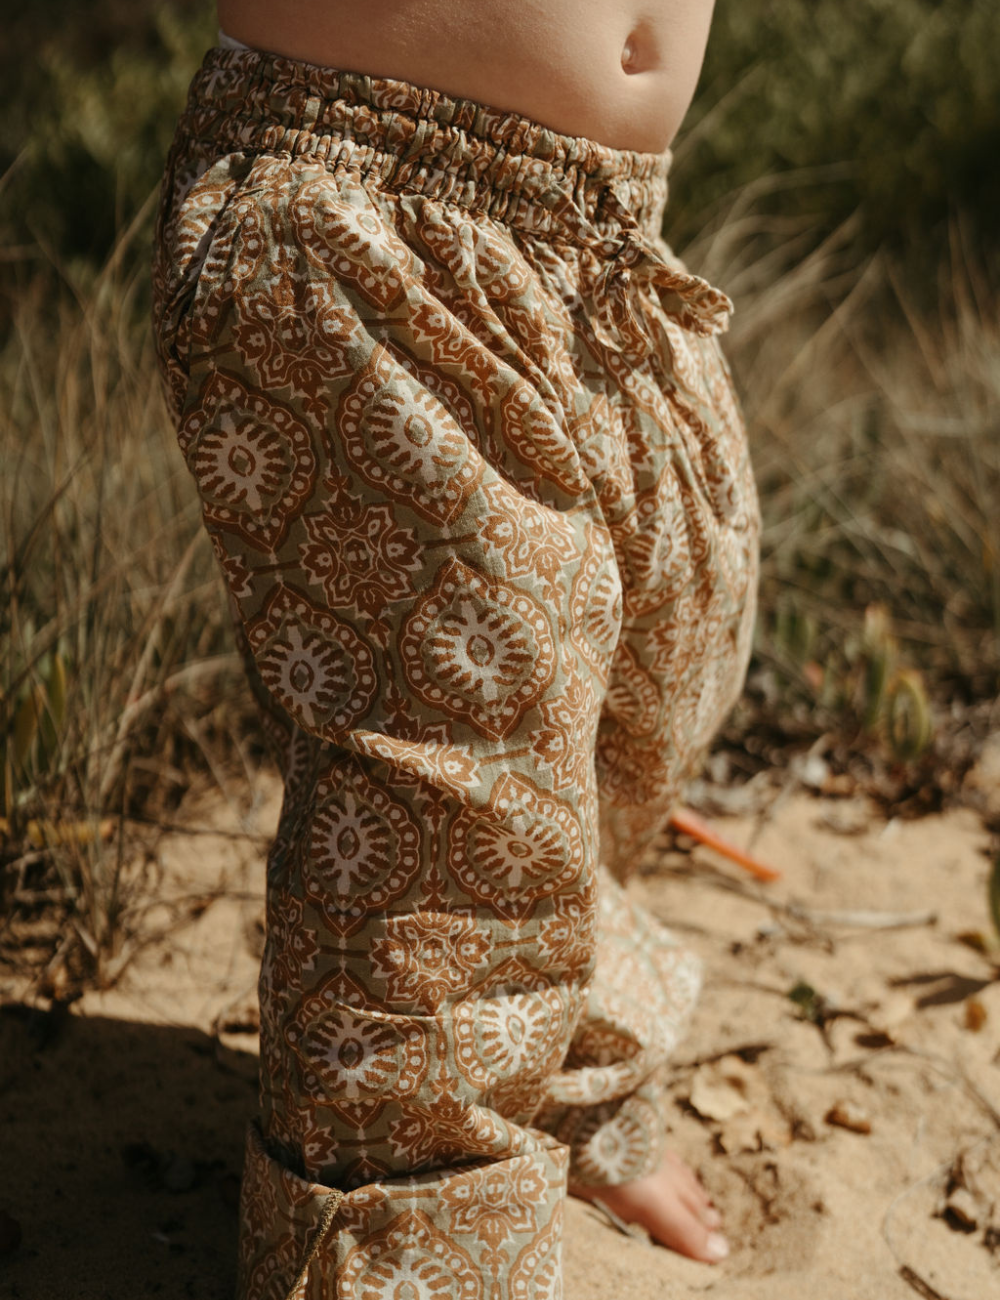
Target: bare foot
x=671, y=1205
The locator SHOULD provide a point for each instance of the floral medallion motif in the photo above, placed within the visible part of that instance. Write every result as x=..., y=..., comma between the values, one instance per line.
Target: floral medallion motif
x=345, y=236
x=299, y=338
x=567, y=933
x=253, y=460
x=566, y=742
x=359, y=1056
x=363, y=845
x=359, y=555
x=614, y=1141
x=517, y=1036
x=525, y=845
x=528, y=538
x=403, y=442
x=655, y=548
x=496, y=1201
x=633, y=698
x=537, y=1271
x=318, y=668
x=478, y=649
x=529, y=429
x=596, y=609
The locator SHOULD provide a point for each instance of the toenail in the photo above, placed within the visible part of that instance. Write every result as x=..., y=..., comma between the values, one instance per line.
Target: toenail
x=717, y=1247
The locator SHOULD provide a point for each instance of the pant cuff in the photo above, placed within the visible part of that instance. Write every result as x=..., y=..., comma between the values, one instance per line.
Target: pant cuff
x=489, y=1231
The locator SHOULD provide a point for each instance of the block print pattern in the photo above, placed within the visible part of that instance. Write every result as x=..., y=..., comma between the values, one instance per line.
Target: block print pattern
x=470, y=460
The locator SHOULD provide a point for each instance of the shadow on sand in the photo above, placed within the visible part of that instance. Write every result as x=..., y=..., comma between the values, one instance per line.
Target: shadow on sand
x=120, y=1158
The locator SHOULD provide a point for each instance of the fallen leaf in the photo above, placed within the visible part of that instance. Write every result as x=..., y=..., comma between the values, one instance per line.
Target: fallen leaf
x=891, y=1013
x=961, y=1211
x=717, y=1099
x=975, y=1014
x=720, y=1088
x=756, y=1130
x=974, y=939
x=844, y=1114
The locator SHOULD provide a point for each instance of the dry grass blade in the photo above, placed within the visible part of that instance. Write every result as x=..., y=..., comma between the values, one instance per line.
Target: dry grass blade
x=113, y=601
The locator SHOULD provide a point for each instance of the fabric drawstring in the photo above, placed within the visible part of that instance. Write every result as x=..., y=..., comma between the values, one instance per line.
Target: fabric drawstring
x=330, y=1207
x=634, y=264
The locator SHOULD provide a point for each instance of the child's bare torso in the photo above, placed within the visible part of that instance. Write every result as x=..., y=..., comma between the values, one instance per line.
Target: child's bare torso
x=618, y=71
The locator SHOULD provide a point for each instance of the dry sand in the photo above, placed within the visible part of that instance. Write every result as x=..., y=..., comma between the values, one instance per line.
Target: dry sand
x=123, y=1117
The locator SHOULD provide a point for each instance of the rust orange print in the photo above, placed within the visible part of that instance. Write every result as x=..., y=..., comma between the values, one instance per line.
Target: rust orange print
x=470, y=460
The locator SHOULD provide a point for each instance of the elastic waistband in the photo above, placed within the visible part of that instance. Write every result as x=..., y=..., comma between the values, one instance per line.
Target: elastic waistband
x=414, y=140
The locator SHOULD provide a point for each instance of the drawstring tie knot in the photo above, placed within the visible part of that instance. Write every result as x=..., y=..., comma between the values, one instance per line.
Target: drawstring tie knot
x=635, y=266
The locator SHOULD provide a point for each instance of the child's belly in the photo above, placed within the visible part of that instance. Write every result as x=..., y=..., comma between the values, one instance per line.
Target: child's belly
x=618, y=71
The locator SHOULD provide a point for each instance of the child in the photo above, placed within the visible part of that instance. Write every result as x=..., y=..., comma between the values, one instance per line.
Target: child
x=471, y=463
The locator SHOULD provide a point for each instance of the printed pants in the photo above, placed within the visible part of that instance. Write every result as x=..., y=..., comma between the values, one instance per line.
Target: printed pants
x=470, y=460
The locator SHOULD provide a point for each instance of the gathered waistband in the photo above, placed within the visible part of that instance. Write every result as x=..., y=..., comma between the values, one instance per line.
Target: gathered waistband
x=415, y=140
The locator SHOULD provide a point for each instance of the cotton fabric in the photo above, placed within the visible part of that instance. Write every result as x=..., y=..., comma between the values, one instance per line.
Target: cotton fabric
x=469, y=457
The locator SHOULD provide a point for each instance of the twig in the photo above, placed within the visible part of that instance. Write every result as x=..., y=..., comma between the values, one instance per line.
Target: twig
x=919, y=1285
x=685, y=822
x=632, y=1230
x=183, y=677
x=738, y=1049
x=862, y=919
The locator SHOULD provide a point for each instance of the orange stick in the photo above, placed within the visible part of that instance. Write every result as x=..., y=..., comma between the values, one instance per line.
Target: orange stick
x=689, y=823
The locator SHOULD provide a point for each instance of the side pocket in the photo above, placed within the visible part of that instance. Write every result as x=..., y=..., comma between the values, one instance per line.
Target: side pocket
x=195, y=221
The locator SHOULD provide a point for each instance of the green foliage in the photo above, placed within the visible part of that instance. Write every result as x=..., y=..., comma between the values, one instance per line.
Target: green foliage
x=862, y=680
x=85, y=143
x=903, y=93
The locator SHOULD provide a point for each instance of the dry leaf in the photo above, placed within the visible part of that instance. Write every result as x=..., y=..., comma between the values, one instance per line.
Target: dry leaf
x=719, y=1090
x=717, y=1100
x=975, y=1014
x=740, y=1134
x=891, y=1013
x=844, y=1114
x=754, y=1131
x=961, y=1210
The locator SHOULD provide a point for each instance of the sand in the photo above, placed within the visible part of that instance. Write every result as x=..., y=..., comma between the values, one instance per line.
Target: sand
x=123, y=1115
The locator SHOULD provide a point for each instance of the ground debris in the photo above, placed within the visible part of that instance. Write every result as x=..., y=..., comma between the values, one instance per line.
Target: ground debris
x=735, y=1099
x=845, y=1114
x=961, y=1210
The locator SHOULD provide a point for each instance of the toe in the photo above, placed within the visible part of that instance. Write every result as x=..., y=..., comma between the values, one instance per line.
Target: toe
x=680, y=1229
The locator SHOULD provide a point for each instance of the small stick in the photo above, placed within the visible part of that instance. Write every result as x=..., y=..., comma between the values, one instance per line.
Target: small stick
x=919, y=1285
x=737, y=1049
x=632, y=1230
x=688, y=823
x=865, y=920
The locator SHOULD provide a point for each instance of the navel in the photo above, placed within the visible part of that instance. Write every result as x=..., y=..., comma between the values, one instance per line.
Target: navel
x=639, y=50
